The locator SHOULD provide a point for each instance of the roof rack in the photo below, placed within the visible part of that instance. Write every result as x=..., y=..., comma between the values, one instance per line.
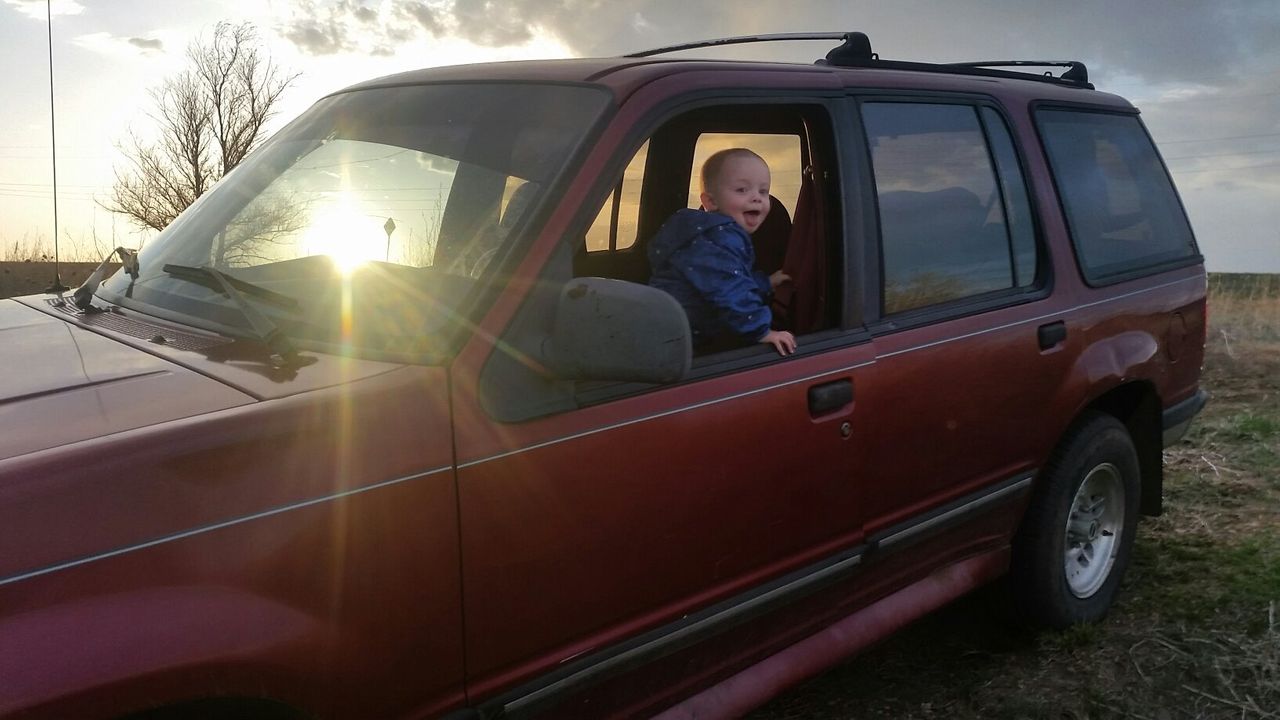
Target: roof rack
x=740, y=40
x=1076, y=70
x=855, y=51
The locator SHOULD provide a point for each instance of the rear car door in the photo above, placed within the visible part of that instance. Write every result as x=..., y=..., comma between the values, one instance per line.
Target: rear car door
x=967, y=348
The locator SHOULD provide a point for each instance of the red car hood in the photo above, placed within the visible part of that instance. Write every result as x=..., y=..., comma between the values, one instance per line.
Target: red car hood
x=60, y=383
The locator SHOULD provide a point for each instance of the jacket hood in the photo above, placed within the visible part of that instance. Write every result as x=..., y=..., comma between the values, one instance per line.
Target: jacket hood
x=62, y=383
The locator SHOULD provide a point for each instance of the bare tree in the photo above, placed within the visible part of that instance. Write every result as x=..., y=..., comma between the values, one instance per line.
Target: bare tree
x=208, y=118
x=249, y=238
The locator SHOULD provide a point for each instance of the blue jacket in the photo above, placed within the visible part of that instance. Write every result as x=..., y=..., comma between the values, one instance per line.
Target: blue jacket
x=706, y=261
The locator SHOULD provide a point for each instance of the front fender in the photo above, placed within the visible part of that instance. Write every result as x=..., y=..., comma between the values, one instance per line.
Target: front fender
x=115, y=654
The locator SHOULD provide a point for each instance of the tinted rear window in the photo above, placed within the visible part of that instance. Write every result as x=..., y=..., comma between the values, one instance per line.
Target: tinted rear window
x=1121, y=206
x=954, y=215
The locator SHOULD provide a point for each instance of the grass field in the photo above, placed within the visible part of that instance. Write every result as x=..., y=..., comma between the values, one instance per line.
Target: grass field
x=26, y=265
x=1196, y=630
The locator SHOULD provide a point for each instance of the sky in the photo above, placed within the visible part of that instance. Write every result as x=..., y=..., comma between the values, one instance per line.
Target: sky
x=1206, y=76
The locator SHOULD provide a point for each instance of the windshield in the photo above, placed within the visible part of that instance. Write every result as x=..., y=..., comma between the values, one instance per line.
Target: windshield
x=377, y=210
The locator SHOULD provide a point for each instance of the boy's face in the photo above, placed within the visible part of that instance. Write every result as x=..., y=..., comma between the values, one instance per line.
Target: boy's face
x=741, y=191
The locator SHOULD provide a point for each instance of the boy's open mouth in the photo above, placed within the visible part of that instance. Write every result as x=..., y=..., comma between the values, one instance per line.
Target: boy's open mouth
x=753, y=215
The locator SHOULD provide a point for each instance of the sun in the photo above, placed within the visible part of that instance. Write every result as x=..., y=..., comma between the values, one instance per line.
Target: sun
x=349, y=237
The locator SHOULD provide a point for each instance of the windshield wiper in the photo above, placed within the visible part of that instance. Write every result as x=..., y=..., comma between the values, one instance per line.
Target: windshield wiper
x=282, y=351
x=213, y=279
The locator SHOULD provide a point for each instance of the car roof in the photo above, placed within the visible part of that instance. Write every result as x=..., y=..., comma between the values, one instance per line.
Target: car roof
x=624, y=75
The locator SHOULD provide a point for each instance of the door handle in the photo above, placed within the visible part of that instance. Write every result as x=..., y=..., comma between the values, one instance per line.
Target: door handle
x=829, y=397
x=1052, y=334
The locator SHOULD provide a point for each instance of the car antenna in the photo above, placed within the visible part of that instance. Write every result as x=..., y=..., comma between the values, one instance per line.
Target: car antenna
x=57, y=286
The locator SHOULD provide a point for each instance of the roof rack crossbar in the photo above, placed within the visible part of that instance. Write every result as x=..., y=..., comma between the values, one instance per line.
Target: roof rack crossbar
x=855, y=51
x=739, y=40
x=1076, y=70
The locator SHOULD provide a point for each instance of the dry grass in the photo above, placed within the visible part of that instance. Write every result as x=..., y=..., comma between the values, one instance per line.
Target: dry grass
x=1235, y=675
x=1244, y=312
x=27, y=267
x=25, y=249
x=89, y=247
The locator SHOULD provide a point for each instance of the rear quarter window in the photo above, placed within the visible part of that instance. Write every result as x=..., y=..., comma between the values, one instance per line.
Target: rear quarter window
x=1121, y=207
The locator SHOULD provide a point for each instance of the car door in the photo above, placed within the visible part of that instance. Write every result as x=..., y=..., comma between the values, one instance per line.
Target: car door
x=638, y=508
x=967, y=346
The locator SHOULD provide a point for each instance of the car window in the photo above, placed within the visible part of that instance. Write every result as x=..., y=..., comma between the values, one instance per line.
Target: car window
x=1122, y=210
x=780, y=152
x=951, y=227
x=615, y=225
x=798, y=237
x=617, y=222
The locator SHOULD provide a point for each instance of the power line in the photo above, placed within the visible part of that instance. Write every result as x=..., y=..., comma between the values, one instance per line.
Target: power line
x=64, y=157
x=1212, y=155
x=1226, y=169
x=35, y=147
x=47, y=185
x=21, y=192
x=31, y=192
x=1231, y=137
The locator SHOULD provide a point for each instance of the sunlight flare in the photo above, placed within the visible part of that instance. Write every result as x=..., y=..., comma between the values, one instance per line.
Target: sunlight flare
x=350, y=238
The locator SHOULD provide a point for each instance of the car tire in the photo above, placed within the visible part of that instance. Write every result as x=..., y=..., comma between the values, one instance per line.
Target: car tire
x=1074, y=544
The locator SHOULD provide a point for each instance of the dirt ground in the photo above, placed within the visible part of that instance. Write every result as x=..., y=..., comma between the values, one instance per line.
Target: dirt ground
x=1195, y=632
x=28, y=278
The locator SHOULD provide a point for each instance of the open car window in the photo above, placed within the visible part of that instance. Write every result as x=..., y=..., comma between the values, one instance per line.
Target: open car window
x=800, y=235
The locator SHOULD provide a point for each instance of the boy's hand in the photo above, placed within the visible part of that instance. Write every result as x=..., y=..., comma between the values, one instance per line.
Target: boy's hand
x=781, y=340
x=777, y=279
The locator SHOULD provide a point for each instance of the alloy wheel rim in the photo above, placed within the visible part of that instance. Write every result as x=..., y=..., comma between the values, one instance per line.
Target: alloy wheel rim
x=1093, y=531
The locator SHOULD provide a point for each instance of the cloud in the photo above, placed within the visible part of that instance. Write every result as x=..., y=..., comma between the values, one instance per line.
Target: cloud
x=38, y=10
x=108, y=44
x=326, y=27
x=1152, y=40
x=318, y=38
x=317, y=30
x=147, y=45
x=1224, y=139
x=422, y=15
x=1198, y=70
x=489, y=23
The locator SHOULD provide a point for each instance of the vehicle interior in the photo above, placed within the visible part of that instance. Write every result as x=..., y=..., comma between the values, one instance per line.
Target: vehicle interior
x=800, y=234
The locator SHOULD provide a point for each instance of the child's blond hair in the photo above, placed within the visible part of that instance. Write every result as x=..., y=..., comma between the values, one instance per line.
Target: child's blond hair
x=714, y=164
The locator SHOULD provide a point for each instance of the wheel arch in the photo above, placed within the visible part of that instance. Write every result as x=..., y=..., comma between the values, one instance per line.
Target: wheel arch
x=1137, y=405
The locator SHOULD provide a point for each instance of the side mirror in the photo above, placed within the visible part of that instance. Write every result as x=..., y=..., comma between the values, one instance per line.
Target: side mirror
x=616, y=330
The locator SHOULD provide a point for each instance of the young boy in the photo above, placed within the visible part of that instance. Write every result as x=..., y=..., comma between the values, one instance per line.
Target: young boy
x=704, y=258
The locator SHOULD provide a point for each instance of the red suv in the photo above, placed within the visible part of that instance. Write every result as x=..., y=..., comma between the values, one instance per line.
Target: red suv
x=389, y=423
